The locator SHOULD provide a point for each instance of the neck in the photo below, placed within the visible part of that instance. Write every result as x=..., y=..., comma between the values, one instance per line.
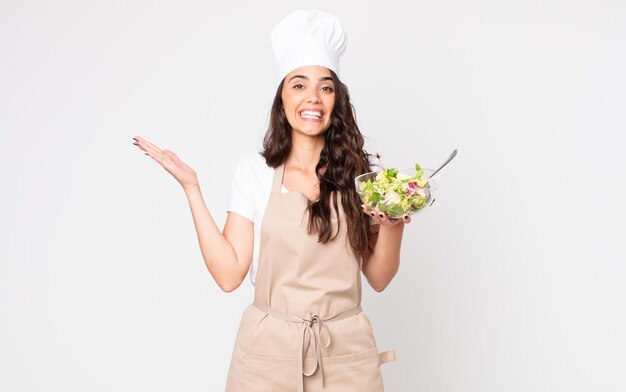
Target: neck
x=305, y=152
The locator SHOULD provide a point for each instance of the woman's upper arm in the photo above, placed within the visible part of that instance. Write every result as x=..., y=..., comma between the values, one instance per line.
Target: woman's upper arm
x=239, y=231
x=239, y=226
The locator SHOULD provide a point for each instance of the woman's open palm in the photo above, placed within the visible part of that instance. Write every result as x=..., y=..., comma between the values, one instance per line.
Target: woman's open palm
x=184, y=174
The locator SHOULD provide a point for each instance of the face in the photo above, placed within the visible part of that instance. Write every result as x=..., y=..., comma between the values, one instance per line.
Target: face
x=308, y=99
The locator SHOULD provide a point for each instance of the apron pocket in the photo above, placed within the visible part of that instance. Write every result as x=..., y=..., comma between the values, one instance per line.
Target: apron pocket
x=261, y=374
x=357, y=372
x=250, y=320
x=354, y=372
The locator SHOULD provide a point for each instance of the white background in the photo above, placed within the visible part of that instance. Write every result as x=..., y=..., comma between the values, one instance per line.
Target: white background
x=512, y=281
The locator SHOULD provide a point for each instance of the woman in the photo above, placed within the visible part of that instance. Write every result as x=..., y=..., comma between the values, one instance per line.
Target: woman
x=306, y=329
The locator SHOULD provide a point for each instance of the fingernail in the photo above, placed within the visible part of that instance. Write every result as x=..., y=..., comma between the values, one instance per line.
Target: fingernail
x=135, y=144
x=135, y=139
x=146, y=153
x=406, y=216
x=381, y=215
x=372, y=213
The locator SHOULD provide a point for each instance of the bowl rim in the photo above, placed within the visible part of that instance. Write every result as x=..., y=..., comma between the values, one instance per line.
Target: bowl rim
x=434, y=178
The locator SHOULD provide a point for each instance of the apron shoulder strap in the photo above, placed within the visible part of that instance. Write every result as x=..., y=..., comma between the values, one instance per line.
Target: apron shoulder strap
x=277, y=181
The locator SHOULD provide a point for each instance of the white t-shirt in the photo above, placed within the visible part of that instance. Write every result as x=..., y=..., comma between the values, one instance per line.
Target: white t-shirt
x=250, y=192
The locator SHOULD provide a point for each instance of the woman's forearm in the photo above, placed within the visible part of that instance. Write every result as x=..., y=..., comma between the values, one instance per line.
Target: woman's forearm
x=217, y=252
x=383, y=263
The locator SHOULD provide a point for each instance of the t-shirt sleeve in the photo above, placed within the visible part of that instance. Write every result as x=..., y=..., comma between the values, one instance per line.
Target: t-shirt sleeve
x=241, y=201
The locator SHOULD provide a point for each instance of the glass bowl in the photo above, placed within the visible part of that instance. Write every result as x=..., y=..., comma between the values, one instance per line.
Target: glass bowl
x=429, y=190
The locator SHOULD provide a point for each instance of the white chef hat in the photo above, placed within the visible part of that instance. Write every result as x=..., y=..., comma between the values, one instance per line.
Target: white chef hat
x=307, y=37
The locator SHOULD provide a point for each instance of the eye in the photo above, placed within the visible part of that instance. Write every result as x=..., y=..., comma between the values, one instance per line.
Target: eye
x=328, y=89
x=296, y=86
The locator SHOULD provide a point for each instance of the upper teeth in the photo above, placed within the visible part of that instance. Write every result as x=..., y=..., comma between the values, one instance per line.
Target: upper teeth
x=311, y=113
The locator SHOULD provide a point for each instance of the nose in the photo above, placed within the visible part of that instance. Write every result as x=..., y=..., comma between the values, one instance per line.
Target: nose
x=313, y=96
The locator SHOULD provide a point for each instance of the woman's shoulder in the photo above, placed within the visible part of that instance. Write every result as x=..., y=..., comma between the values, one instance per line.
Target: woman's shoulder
x=254, y=163
x=252, y=169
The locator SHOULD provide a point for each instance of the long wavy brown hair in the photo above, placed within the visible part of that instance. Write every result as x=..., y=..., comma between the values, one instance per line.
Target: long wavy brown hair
x=342, y=159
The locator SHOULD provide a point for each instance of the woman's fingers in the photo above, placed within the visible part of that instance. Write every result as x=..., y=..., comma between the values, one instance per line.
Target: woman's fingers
x=175, y=159
x=370, y=213
x=406, y=218
x=376, y=216
x=141, y=143
x=383, y=219
x=154, y=151
x=170, y=162
x=138, y=144
x=171, y=154
x=387, y=221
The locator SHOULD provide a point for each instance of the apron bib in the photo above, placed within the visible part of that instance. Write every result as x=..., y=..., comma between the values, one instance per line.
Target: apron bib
x=305, y=330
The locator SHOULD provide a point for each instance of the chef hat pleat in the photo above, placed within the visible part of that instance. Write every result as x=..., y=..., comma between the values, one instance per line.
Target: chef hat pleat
x=307, y=37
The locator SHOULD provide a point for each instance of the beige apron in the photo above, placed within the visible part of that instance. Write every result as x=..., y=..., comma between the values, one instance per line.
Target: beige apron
x=306, y=330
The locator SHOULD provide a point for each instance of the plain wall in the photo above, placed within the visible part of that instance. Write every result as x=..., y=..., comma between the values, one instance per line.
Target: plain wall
x=513, y=280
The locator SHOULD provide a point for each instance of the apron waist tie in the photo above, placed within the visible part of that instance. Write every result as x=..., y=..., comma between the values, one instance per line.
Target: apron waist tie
x=309, y=337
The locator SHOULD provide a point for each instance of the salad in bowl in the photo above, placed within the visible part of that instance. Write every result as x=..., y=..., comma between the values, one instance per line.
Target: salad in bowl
x=397, y=192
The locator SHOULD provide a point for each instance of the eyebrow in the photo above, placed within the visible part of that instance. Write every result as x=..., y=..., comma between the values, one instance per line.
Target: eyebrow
x=307, y=78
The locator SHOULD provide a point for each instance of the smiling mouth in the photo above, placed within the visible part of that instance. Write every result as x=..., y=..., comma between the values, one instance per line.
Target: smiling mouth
x=311, y=114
